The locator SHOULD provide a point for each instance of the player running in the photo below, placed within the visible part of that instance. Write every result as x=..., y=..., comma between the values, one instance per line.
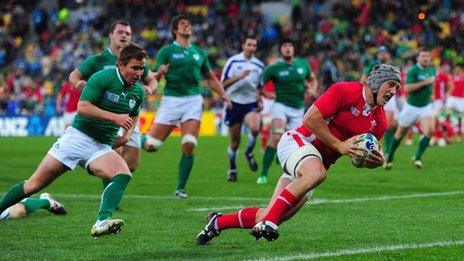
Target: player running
x=186, y=65
x=419, y=84
x=111, y=99
x=329, y=130
x=241, y=78
x=291, y=76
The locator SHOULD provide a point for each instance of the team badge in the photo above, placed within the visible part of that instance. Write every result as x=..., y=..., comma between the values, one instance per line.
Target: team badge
x=131, y=103
x=300, y=71
x=196, y=57
x=367, y=110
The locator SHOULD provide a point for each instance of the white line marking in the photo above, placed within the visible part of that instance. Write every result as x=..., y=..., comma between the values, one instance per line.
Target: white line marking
x=154, y=197
x=350, y=200
x=360, y=251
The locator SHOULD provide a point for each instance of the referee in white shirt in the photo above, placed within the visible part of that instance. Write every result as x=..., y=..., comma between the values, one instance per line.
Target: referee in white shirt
x=241, y=77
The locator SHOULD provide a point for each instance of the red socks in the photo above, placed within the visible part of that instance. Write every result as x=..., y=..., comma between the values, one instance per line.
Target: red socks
x=245, y=218
x=284, y=203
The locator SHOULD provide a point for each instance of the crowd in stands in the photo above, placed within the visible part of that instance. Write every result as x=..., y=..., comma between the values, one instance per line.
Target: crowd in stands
x=39, y=48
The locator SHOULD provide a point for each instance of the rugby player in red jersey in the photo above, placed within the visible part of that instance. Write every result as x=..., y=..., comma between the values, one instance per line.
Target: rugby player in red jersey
x=329, y=130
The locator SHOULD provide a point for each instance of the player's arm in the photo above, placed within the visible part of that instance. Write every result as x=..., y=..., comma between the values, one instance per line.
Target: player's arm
x=150, y=83
x=87, y=109
x=216, y=86
x=411, y=87
x=227, y=80
x=76, y=79
x=59, y=102
x=312, y=85
x=125, y=137
x=327, y=105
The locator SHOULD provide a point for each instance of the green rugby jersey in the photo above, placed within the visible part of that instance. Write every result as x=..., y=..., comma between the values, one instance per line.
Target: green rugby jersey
x=107, y=90
x=422, y=96
x=186, y=68
x=104, y=60
x=289, y=81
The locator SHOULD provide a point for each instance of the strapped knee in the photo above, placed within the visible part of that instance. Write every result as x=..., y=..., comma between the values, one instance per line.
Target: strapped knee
x=189, y=138
x=295, y=160
x=278, y=130
x=152, y=143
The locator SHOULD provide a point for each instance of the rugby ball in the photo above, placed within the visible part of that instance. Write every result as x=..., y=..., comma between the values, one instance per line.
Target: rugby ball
x=368, y=143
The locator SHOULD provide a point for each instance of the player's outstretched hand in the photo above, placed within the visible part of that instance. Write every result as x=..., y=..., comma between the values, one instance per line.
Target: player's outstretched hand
x=124, y=121
x=245, y=74
x=375, y=159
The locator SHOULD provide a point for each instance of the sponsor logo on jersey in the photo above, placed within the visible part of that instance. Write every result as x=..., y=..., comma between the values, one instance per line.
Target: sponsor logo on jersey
x=354, y=111
x=131, y=103
x=284, y=73
x=178, y=56
x=111, y=96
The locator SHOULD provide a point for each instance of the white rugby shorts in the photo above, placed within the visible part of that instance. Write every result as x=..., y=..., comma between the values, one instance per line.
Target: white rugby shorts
x=292, y=116
x=287, y=149
x=174, y=110
x=410, y=114
x=77, y=148
x=455, y=103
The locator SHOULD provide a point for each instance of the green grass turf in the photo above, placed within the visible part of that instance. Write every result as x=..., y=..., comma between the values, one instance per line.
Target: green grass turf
x=160, y=227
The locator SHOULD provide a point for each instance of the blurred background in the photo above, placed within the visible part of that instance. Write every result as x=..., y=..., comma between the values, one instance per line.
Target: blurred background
x=41, y=42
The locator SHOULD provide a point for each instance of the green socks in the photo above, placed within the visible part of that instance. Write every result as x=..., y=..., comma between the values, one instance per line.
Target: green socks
x=423, y=144
x=387, y=140
x=33, y=204
x=105, y=183
x=268, y=157
x=112, y=195
x=391, y=151
x=13, y=196
x=185, y=167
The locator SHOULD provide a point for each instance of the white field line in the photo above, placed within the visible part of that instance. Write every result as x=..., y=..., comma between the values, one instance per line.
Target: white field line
x=350, y=200
x=367, y=250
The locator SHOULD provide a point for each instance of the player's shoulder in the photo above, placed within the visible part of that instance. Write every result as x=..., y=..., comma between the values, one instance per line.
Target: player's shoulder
x=257, y=62
x=347, y=89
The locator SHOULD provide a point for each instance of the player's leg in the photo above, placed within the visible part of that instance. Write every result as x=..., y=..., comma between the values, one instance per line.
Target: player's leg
x=408, y=116
x=278, y=128
x=305, y=164
x=428, y=125
x=158, y=133
x=235, y=135
x=109, y=165
x=388, y=136
x=253, y=120
x=47, y=171
x=16, y=211
x=190, y=130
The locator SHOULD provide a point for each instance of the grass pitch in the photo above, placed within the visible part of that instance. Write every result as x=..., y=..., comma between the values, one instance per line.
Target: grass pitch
x=355, y=214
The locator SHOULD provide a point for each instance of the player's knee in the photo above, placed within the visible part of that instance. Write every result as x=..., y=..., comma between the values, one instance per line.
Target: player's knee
x=234, y=145
x=32, y=186
x=152, y=144
x=18, y=211
x=312, y=176
x=189, y=142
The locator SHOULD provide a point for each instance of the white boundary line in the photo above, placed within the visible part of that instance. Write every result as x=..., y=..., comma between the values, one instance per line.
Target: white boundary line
x=367, y=250
x=350, y=200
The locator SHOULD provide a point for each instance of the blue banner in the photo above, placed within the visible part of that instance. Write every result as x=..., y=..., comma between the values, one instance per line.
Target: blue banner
x=34, y=125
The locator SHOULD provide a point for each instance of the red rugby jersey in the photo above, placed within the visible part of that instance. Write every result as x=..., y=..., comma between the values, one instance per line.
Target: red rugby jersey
x=347, y=113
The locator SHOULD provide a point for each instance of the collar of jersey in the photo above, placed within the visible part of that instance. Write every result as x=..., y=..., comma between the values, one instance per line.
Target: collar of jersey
x=242, y=54
x=290, y=64
x=111, y=52
x=176, y=43
x=120, y=78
